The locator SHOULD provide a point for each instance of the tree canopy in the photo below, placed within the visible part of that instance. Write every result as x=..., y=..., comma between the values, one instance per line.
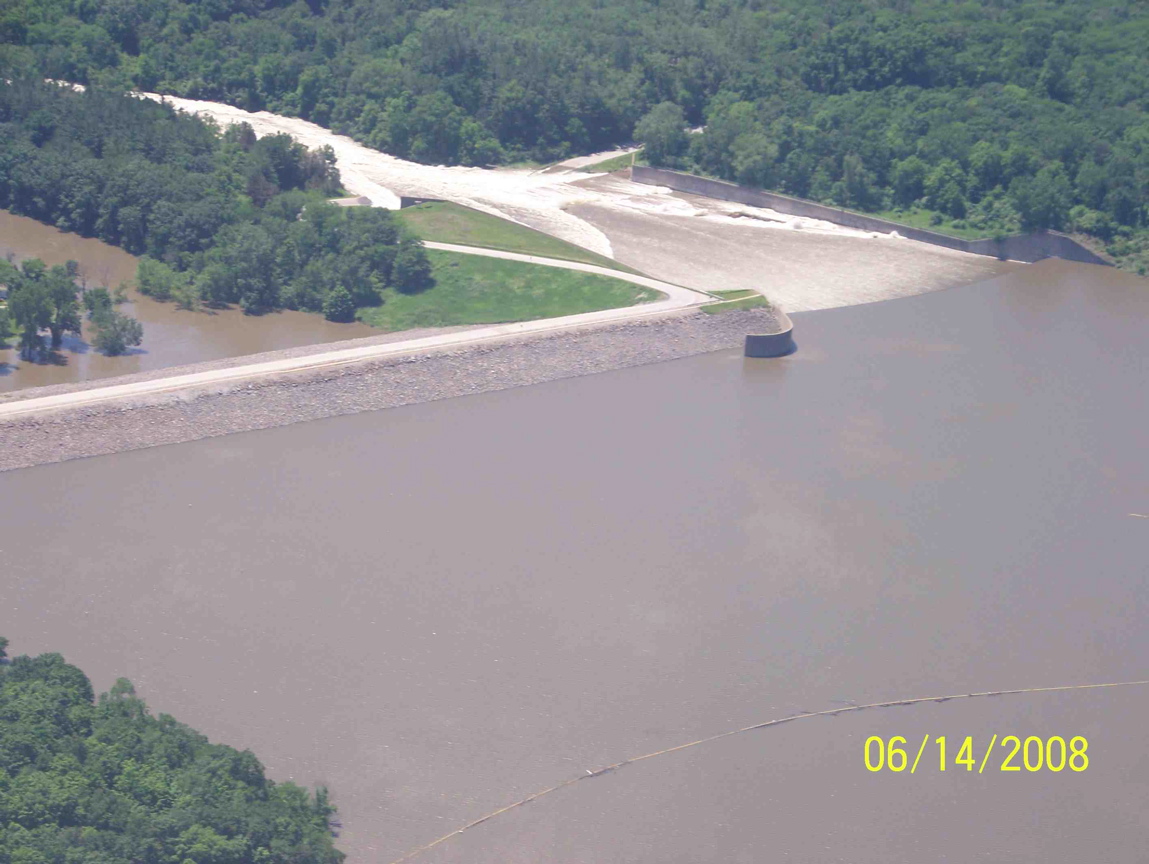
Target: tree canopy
x=40, y=298
x=1019, y=113
x=102, y=781
x=218, y=216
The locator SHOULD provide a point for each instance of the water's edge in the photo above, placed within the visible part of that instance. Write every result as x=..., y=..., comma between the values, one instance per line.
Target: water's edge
x=178, y=417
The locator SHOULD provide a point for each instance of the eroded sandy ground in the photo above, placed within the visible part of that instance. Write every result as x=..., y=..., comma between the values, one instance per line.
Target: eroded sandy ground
x=798, y=263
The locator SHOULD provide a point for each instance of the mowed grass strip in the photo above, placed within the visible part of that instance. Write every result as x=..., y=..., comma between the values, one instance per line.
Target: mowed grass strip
x=615, y=163
x=754, y=302
x=447, y=222
x=917, y=218
x=470, y=289
x=735, y=294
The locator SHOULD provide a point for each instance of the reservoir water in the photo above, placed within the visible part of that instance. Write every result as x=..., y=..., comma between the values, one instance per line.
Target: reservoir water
x=440, y=609
x=172, y=337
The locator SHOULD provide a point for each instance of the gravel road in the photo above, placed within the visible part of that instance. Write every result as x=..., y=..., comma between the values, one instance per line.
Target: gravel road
x=673, y=297
x=382, y=383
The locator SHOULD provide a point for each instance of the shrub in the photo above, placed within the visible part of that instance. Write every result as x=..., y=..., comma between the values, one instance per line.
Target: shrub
x=116, y=332
x=339, y=306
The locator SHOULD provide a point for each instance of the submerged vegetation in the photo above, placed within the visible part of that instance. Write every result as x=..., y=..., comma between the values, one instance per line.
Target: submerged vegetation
x=989, y=116
x=225, y=218
x=220, y=218
x=39, y=298
x=104, y=781
x=115, y=331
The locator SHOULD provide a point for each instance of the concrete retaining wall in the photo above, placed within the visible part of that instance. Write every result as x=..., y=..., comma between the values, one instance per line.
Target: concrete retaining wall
x=410, y=201
x=1019, y=247
x=353, y=201
x=777, y=342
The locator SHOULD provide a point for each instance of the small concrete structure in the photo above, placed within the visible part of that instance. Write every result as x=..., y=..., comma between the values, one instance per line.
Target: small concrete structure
x=356, y=201
x=775, y=344
x=411, y=200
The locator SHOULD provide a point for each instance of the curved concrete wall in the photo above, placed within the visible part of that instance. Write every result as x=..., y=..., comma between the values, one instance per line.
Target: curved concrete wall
x=1019, y=247
x=778, y=343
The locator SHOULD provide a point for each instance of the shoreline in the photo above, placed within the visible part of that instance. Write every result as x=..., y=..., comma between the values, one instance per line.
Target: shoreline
x=12, y=397
x=369, y=385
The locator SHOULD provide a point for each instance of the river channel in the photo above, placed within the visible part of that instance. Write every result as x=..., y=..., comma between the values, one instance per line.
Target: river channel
x=440, y=609
x=172, y=337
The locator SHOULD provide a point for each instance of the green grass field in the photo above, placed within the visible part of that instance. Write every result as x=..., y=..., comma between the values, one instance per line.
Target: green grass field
x=913, y=218
x=615, y=164
x=445, y=222
x=921, y=219
x=471, y=289
x=754, y=301
x=735, y=294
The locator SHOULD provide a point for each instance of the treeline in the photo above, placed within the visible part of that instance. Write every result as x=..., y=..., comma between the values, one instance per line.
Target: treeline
x=221, y=217
x=1000, y=113
x=298, y=253
x=967, y=160
x=104, y=781
x=447, y=79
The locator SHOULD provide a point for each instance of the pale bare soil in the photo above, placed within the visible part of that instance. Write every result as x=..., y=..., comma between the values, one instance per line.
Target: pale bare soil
x=798, y=263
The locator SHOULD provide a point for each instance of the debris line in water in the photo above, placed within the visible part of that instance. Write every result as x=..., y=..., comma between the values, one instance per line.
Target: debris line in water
x=829, y=712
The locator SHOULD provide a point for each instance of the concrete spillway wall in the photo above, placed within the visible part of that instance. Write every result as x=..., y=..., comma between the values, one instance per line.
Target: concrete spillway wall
x=777, y=341
x=1019, y=247
x=406, y=201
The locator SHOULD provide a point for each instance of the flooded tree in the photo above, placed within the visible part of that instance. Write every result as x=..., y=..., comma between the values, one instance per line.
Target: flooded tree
x=223, y=218
x=31, y=310
x=60, y=286
x=42, y=298
x=115, y=331
x=47, y=298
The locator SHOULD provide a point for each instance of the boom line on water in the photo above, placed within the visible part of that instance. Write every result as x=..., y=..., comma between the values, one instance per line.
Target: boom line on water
x=777, y=722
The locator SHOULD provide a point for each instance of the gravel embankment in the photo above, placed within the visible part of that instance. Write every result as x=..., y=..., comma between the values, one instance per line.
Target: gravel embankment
x=228, y=362
x=263, y=403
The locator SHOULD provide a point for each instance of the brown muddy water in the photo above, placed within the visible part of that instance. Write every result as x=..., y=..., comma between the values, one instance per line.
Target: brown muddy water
x=440, y=609
x=172, y=337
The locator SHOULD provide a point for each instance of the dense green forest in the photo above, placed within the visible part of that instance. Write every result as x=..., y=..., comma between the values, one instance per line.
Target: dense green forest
x=993, y=115
x=220, y=216
x=104, y=782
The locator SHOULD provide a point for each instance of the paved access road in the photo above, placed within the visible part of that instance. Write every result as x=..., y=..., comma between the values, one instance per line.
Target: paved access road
x=676, y=298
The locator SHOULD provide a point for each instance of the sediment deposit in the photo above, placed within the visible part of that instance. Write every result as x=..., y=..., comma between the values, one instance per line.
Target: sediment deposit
x=798, y=263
